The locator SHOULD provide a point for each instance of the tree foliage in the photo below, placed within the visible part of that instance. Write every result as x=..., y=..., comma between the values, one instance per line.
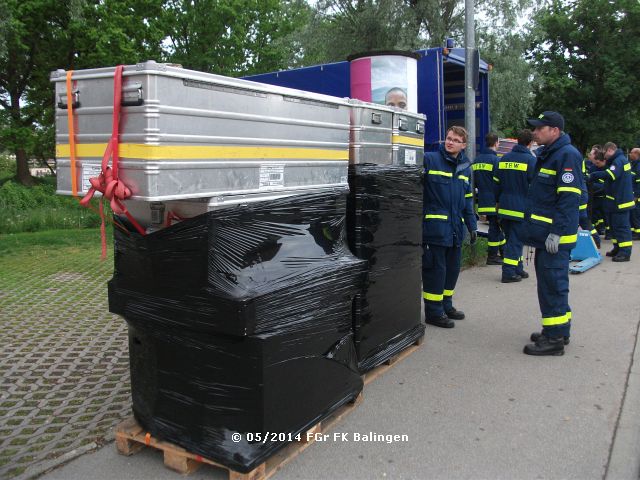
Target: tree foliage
x=230, y=37
x=586, y=53
x=510, y=87
x=39, y=36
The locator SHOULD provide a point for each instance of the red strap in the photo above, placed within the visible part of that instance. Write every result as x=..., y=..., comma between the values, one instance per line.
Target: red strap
x=107, y=182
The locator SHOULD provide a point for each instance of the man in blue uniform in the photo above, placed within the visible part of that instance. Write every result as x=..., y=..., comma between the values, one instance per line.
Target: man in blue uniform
x=596, y=189
x=484, y=167
x=513, y=175
x=634, y=157
x=551, y=227
x=618, y=201
x=447, y=209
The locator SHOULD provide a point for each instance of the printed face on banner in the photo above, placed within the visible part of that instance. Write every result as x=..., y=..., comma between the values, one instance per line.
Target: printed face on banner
x=393, y=80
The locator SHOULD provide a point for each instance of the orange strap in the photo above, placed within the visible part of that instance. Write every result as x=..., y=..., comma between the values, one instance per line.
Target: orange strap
x=72, y=135
x=108, y=182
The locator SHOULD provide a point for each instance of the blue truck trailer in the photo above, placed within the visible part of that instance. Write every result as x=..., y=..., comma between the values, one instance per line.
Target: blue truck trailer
x=440, y=89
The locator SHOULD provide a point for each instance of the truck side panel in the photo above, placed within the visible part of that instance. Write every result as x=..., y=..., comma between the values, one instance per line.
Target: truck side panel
x=330, y=79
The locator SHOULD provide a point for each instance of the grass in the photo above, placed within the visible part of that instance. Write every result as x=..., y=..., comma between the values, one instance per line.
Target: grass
x=31, y=209
x=473, y=255
x=54, y=242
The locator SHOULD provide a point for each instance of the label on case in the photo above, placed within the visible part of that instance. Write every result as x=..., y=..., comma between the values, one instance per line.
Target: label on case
x=271, y=175
x=89, y=171
x=409, y=157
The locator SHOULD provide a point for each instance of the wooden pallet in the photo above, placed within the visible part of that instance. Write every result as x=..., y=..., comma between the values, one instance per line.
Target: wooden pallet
x=131, y=438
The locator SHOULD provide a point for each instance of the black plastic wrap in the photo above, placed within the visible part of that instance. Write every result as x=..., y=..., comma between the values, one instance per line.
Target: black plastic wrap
x=384, y=227
x=257, y=268
x=240, y=322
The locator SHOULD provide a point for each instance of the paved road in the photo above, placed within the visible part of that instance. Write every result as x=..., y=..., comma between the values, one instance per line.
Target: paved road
x=473, y=406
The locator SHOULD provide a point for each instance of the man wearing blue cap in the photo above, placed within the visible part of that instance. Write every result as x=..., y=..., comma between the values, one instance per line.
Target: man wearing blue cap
x=551, y=226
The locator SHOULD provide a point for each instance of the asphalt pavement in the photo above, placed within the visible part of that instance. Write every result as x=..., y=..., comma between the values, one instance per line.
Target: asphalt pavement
x=472, y=405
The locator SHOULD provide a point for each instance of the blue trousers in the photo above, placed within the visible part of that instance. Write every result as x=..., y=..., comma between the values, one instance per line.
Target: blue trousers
x=621, y=231
x=495, y=237
x=635, y=218
x=512, y=259
x=552, y=274
x=440, y=270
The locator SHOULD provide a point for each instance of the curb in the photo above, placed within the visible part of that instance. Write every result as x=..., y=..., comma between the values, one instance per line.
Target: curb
x=624, y=456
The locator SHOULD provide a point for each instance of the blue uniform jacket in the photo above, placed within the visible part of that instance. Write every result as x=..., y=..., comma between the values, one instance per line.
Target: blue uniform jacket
x=635, y=177
x=483, y=171
x=554, y=195
x=618, y=188
x=447, y=200
x=513, y=175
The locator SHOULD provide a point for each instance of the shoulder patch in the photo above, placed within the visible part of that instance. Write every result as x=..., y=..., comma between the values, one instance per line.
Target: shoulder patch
x=612, y=168
x=568, y=177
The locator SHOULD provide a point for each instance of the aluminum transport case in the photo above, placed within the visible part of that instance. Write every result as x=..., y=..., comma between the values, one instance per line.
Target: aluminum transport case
x=384, y=135
x=186, y=134
x=408, y=138
x=371, y=133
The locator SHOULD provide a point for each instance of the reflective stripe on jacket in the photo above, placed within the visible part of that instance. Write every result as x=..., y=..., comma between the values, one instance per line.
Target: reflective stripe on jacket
x=514, y=173
x=554, y=195
x=484, y=169
x=447, y=200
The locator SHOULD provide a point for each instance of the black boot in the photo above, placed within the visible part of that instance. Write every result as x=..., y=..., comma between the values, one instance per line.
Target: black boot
x=442, y=321
x=536, y=335
x=613, y=252
x=515, y=278
x=545, y=346
x=523, y=274
x=454, y=314
x=621, y=257
x=494, y=260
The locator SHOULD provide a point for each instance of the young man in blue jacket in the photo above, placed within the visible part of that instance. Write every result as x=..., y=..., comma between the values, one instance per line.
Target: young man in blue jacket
x=513, y=174
x=447, y=213
x=618, y=202
x=551, y=227
x=484, y=168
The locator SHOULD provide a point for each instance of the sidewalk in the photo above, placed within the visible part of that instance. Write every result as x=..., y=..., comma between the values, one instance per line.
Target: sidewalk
x=472, y=405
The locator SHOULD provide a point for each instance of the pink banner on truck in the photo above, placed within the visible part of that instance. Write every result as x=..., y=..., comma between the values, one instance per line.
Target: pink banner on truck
x=361, y=79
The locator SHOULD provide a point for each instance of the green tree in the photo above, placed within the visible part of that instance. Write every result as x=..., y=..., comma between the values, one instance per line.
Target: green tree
x=510, y=87
x=39, y=36
x=338, y=28
x=586, y=54
x=230, y=37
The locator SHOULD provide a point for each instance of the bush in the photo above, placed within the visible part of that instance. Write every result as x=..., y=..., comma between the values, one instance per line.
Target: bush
x=31, y=209
x=7, y=168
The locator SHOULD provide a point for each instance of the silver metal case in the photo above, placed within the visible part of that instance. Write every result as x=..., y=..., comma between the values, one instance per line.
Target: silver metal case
x=371, y=132
x=408, y=137
x=186, y=134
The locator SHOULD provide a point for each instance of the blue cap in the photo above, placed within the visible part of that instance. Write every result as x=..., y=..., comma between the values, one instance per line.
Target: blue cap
x=549, y=119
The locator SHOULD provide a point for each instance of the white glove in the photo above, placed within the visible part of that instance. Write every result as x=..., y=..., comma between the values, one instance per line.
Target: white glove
x=552, y=242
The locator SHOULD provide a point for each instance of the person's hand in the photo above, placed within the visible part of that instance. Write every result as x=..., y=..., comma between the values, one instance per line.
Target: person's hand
x=552, y=242
x=473, y=236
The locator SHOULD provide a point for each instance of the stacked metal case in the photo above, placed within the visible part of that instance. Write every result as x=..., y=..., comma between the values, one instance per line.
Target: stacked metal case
x=384, y=228
x=188, y=135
